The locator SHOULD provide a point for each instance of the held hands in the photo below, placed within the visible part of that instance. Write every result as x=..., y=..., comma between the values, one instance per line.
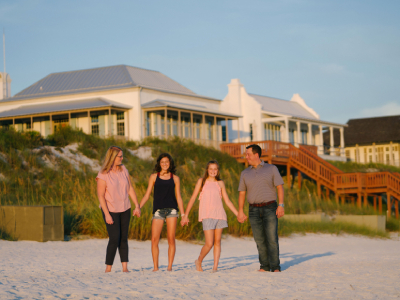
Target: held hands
x=184, y=221
x=136, y=212
x=280, y=211
x=241, y=217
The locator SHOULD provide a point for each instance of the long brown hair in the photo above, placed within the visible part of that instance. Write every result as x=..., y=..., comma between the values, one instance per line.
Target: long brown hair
x=108, y=162
x=205, y=176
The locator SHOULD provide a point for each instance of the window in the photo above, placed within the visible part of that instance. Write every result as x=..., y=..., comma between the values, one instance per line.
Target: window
x=120, y=116
x=121, y=128
x=387, y=148
x=95, y=129
x=395, y=148
x=95, y=125
x=251, y=132
x=365, y=155
x=348, y=153
x=370, y=150
x=291, y=135
x=59, y=123
x=121, y=123
x=304, y=137
x=387, y=159
x=272, y=132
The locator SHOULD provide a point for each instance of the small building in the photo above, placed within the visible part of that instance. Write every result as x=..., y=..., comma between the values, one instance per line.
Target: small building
x=375, y=140
x=267, y=118
x=120, y=101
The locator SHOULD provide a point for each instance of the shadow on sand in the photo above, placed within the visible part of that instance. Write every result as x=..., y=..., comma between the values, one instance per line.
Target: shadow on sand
x=231, y=263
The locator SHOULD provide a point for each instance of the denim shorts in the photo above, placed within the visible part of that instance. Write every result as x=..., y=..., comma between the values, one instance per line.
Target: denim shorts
x=163, y=213
x=214, y=224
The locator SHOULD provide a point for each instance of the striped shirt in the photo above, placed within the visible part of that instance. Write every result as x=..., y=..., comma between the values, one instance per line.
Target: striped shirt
x=260, y=183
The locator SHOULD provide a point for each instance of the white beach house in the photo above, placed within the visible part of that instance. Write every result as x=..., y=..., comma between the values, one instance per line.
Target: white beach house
x=135, y=103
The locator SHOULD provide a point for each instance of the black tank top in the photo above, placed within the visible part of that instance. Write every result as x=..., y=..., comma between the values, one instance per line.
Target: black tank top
x=164, y=194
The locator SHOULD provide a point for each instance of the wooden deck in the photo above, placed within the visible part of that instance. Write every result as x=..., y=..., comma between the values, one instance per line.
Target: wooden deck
x=344, y=185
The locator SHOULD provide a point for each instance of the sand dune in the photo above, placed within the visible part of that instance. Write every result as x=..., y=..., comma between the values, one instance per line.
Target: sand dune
x=314, y=266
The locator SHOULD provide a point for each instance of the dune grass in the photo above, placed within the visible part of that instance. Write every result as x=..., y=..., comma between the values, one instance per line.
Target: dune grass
x=352, y=167
x=30, y=182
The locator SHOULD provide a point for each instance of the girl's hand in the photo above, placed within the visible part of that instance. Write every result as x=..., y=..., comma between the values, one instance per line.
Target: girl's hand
x=137, y=212
x=184, y=221
x=109, y=219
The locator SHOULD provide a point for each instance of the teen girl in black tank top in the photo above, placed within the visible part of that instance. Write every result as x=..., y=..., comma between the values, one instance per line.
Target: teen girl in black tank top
x=167, y=199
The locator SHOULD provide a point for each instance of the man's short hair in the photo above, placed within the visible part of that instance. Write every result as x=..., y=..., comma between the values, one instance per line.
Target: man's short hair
x=255, y=149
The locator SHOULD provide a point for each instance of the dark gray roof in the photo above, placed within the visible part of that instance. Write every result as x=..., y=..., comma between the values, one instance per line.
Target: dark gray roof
x=284, y=107
x=199, y=108
x=62, y=106
x=367, y=131
x=105, y=78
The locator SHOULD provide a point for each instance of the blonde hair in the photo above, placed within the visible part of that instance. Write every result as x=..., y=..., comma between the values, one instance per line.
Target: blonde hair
x=108, y=163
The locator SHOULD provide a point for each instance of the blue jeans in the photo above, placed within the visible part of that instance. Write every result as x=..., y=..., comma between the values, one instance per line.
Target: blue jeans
x=264, y=223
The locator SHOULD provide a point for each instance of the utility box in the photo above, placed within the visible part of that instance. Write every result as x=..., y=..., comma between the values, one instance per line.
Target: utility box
x=33, y=223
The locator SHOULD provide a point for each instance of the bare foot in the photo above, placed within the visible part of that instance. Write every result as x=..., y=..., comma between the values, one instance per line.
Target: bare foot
x=108, y=268
x=155, y=270
x=214, y=270
x=169, y=269
x=261, y=270
x=276, y=271
x=198, y=266
x=125, y=270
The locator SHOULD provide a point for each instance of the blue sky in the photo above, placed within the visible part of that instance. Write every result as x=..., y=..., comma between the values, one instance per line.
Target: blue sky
x=342, y=57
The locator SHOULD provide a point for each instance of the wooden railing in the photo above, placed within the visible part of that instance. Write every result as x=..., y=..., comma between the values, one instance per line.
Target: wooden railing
x=310, y=148
x=320, y=160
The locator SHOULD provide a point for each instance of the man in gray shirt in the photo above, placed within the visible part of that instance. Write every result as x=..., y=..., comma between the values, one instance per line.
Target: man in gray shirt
x=260, y=180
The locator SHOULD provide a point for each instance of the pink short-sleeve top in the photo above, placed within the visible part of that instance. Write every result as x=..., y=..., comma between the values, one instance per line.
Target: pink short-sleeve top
x=117, y=189
x=211, y=206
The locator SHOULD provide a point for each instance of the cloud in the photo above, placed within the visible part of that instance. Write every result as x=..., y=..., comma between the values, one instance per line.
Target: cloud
x=388, y=109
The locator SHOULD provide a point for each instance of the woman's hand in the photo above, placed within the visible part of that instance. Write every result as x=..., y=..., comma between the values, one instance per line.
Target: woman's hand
x=137, y=212
x=184, y=221
x=109, y=219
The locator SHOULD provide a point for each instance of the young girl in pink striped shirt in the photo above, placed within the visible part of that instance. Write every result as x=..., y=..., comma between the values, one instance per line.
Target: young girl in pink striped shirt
x=211, y=211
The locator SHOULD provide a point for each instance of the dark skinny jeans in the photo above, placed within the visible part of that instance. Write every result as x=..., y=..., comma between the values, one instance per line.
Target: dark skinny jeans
x=118, y=236
x=264, y=223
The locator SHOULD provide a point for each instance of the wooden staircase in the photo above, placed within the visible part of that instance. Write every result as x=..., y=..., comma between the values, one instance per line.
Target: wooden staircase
x=306, y=160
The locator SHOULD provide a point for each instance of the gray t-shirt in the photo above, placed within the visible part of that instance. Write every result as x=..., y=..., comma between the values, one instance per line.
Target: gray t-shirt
x=260, y=183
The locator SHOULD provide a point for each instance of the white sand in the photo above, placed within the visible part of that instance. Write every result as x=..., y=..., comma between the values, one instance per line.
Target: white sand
x=314, y=267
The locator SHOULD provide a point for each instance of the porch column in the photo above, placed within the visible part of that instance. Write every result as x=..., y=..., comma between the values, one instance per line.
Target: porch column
x=321, y=141
x=332, y=149
x=89, y=122
x=226, y=131
x=357, y=155
x=203, y=127
x=109, y=122
x=191, y=126
x=309, y=136
x=51, y=125
x=127, y=132
x=238, y=131
x=391, y=162
x=342, y=152
x=373, y=153
x=287, y=130
x=32, y=126
x=165, y=124
x=179, y=124
x=297, y=143
x=215, y=129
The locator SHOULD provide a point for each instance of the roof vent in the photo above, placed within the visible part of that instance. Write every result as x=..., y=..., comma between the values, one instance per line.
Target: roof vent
x=41, y=88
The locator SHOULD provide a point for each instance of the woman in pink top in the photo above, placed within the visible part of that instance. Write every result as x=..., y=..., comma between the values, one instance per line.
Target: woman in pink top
x=113, y=189
x=211, y=211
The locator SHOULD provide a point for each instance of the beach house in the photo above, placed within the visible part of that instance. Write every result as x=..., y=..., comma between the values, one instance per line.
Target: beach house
x=120, y=101
x=372, y=140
